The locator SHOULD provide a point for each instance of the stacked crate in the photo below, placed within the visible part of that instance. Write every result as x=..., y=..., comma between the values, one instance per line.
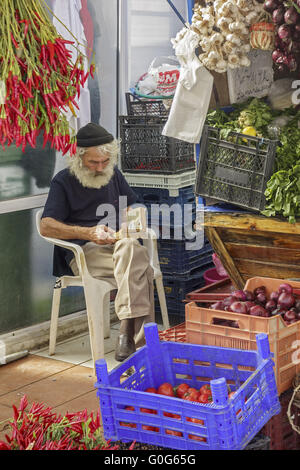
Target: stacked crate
x=161, y=170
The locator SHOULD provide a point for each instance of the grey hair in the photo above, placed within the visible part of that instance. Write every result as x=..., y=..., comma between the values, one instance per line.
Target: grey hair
x=112, y=149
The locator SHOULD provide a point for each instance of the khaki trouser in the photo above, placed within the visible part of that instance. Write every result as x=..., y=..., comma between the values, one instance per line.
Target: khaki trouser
x=126, y=266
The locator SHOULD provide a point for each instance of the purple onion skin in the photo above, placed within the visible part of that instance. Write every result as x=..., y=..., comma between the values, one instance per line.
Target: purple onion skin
x=240, y=295
x=271, y=5
x=249, y=295
x=291, y=16
x=278, y=16
x=286, y=300
x=284, y=32
x=285, y=287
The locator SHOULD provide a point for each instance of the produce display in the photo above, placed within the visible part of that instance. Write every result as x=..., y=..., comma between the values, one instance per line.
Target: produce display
x=39, y=80
x=257, y=118
x=285, y=301
x=286, y=18
x=182, y=391
x=223, y=27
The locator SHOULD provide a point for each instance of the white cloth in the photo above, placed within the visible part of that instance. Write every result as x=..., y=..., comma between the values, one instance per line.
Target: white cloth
x=192, y=97
x=69, y=14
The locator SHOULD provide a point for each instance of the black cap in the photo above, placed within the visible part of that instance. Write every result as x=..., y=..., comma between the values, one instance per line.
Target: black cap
x=93, y=135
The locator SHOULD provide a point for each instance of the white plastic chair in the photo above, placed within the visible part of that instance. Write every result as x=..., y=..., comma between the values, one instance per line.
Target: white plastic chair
x=97, y=293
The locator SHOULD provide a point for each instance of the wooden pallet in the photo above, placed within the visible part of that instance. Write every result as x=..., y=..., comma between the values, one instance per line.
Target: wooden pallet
x=251, y=245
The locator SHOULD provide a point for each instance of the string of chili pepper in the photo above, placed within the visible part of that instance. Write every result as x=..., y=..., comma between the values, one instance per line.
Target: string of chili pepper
x=27, y=78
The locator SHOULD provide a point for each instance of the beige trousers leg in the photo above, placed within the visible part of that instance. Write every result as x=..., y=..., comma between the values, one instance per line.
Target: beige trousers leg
x=126, y=266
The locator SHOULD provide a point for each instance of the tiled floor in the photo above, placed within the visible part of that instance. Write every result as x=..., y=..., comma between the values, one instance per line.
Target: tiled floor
x=64, y=381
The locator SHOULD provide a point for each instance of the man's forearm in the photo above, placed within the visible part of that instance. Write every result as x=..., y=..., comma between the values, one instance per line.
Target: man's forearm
x=54, y=229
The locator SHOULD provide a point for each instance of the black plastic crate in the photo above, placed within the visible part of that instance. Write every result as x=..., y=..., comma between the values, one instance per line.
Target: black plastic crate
x=235, y=170
x=145, y=149
x=142, y=107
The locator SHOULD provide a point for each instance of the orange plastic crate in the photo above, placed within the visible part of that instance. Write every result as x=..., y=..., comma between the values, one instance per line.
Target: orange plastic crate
x=283, y=339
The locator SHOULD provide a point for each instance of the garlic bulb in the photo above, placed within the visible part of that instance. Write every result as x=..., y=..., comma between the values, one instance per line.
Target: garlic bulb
x=233, y=61
x=244, y=61
x=234, y=38
x=236, y=26
x=229, y=48
x=223, y=30
x=216, y=39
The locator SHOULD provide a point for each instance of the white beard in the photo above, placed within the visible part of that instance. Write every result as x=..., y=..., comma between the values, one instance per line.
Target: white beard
x=88, y=178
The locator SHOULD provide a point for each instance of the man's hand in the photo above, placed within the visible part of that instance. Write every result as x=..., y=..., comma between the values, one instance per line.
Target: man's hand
x=102, y=235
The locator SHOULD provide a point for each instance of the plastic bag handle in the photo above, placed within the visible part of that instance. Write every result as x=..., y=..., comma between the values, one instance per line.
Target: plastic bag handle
x=162, y=59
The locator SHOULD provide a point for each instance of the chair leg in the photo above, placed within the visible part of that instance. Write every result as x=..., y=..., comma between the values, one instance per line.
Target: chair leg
x=95, y=312
x=54, y=317
x=162, y=302
x=106, y=315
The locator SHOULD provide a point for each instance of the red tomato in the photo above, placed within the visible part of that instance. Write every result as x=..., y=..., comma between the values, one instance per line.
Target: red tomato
x=205, y=390
x=150, y=428
x=151, y=390
x=204, y=398
x=131, y=408
x=146, y=410
x=173, y=433
x=166, y=389
x=197, y=438
x=191, y=395
x=181, y=390
x=128, y=425
x=195, y=420
x=171, y=415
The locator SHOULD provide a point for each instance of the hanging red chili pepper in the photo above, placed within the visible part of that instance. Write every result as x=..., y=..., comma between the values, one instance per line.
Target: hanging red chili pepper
x=41, y=78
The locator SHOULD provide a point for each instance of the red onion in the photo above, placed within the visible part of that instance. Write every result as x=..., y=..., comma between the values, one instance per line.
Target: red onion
x=277, y=56
x=259, y=311
x=284, y=32
x=270, y=305
x=239, y=295
x=270, y=5
x=249, y=304
x=289, y=315
x=286, y=300
x=229, y=300
x=274, y=296
x=217, y=306
x=249, y=295
x=278, y=16
x=260, y=289
x=261, y=298
x=291, y=16
x=285, y=288
x=297, y=26
x=238, y=307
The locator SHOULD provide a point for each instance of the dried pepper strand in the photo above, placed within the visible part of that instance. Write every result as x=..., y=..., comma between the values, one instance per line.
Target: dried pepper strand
x=41, y=429
x=41, y=80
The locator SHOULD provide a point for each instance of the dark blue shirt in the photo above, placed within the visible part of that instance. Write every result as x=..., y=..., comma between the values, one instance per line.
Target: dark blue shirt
x=73, y=204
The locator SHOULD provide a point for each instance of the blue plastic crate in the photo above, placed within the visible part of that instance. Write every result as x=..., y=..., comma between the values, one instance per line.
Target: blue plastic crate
x=177, y=286
x=175, y=259
x=225, y=424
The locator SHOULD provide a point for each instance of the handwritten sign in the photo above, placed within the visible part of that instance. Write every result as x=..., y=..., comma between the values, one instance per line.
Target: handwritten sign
x=255, y=80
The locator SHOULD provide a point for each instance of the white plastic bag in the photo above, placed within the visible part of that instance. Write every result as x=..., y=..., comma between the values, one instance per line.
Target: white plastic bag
x=280, y=94
x=192, y=97
x=161, y=79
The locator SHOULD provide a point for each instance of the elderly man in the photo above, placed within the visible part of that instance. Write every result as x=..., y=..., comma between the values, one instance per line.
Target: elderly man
x=73, y=212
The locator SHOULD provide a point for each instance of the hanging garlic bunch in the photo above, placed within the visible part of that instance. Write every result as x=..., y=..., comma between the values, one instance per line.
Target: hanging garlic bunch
x=224, y=34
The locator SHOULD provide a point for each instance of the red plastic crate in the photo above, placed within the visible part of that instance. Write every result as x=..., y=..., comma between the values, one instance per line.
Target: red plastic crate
x=176, y=333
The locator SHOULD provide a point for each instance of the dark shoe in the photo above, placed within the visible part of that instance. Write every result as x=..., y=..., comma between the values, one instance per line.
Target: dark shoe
x=124, y=348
